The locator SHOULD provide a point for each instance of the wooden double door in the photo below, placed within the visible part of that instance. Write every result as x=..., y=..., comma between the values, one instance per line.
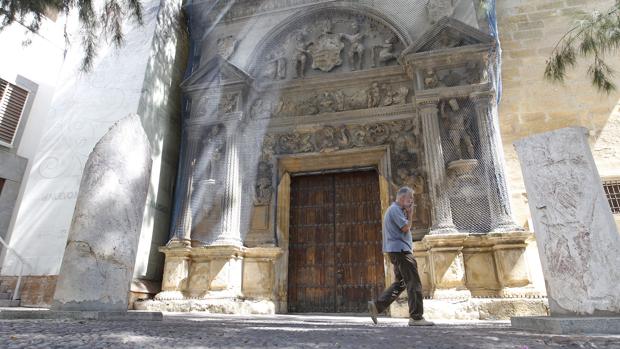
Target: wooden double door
x=335, y=257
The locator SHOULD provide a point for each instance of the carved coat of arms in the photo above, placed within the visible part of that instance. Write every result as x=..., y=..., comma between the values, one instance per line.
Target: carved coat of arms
x=326, y=52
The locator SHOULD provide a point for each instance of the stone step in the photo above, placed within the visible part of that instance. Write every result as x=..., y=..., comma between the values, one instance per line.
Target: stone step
x=5, y=295
x=9, y=303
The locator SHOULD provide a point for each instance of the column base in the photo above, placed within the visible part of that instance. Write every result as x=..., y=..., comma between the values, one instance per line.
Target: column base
x=475, y=308
x=507, y=227
x=237, y=306
x=443, y=230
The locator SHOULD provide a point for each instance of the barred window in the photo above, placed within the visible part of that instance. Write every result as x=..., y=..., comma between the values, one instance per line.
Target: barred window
x=12, y=102
x=612, y=189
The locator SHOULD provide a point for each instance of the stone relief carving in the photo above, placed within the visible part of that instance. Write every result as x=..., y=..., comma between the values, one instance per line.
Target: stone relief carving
x=437, y=9
x=276, y=65
x=430, y=79
x=263, y=188
x=301, y=55
x=213, y=148
x=385, y=52
x=377, y=95
x=326, y=50
x=457, y=128
x=226, y=46
x=322, y=40
x=356, y=52
x=469, y=74
x=228, y=103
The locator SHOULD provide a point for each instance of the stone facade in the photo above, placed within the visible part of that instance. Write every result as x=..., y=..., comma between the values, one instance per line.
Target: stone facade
x=339, y=86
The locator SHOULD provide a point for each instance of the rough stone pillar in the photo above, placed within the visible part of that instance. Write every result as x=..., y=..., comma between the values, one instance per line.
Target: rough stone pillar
x=577, y=237
x=436, y=171
x=231, y=202
x=493, y=159
x=98, y=263
x=183, y=224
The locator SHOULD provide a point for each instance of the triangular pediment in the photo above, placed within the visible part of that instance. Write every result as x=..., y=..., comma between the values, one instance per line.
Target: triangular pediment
x=216, y=73
x=449, y=33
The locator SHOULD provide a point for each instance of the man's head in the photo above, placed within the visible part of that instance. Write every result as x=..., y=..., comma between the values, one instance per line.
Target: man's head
x=404, y=197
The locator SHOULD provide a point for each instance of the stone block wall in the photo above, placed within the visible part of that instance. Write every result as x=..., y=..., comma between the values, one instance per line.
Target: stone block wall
x=529, y=29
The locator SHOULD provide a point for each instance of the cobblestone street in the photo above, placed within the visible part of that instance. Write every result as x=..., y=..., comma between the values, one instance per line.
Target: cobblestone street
x=282, y=331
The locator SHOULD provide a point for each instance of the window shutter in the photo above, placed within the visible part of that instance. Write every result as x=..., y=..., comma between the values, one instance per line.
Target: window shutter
x=12, y=102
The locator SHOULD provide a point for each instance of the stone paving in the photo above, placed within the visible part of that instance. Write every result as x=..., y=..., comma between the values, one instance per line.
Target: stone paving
x=281, y=331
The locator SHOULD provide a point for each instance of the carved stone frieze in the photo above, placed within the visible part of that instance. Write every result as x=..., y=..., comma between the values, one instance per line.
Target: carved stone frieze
x=376, y=95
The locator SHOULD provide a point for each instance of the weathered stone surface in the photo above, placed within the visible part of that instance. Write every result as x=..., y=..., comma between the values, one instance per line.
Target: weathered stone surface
x=577, y=237
x=475, y=308
x=99, y=258
x=568, y=325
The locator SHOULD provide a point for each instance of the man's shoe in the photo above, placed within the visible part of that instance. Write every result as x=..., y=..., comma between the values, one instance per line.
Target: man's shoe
x=372, y=309
x=421, y=322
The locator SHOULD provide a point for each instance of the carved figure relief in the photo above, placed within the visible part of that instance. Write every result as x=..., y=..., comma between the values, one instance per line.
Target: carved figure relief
x=226, y=46
x=213, y=146
x=261, y=109
x=301, y=53
x=356, y=52
x=376, y=95
x=322, y=40
x=276, y=65
x=430, y=79
x=437, y=9
x=457, y=128
x=263, y=189
x=228, y=103
x=384, y=53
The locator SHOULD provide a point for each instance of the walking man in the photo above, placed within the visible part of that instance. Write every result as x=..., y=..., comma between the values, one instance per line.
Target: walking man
x=398, y=243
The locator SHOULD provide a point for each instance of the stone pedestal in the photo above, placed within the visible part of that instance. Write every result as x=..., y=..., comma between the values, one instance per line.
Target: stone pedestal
x=220, y=279
x=176, y=271
x=98, y=263
x=576, y=234
x=447, y=266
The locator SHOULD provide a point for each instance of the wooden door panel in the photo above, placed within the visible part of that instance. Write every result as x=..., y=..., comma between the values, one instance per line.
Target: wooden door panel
x=335, y=259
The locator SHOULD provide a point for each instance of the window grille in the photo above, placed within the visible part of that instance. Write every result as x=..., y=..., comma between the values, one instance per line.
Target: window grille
x=612, y=190
x=12, y=103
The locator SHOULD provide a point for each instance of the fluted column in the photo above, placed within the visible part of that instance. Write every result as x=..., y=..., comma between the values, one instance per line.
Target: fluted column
x=183, y=224
x=231, y=202
x=493, y=159
x=436, y=171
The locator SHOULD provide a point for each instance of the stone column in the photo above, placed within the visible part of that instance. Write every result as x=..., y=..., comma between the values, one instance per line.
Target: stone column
x=493, y=158
x=183, y=224
x=436, y=171
x=231, y=202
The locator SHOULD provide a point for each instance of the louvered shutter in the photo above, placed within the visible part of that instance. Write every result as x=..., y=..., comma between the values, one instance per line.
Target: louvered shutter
x=12, y=102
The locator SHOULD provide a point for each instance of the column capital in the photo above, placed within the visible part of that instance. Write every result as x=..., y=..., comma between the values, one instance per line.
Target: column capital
x=427, y=102
x=481, y=96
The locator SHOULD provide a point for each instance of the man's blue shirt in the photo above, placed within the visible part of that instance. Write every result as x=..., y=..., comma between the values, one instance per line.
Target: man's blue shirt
x=394, y=240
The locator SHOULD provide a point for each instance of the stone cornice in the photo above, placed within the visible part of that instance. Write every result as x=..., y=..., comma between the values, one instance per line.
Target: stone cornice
x=362, y=116
x=210, y=121
x=452, y=92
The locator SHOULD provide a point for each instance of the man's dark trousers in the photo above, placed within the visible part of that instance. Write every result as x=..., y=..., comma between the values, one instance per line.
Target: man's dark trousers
x=406, y=277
